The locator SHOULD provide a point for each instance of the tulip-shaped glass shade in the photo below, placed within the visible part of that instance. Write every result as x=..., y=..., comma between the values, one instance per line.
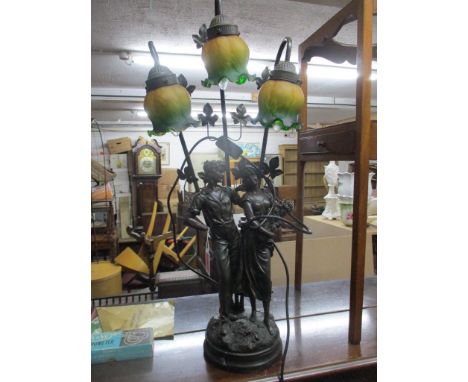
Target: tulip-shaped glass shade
x=224, y=53
x=167, y=101
x=280, y=98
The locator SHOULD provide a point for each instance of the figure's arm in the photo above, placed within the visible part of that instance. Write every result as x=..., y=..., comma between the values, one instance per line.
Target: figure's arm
x=254, y=224
x=194, y=222
x=191, y=219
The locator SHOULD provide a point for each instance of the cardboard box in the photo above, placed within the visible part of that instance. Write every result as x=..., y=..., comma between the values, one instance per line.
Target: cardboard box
x=122, y=345
x=119, y=145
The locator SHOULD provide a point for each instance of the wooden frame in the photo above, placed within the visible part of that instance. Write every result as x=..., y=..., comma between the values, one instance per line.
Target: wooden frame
x=334, y=142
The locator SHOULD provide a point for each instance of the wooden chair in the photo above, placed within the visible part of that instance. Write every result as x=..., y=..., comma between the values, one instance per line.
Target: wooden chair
x=152, y=248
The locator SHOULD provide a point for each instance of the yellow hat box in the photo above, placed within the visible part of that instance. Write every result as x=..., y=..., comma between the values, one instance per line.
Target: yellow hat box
x=106, y=279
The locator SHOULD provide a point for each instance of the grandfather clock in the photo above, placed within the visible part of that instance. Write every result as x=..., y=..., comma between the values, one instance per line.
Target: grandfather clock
x=145, y=171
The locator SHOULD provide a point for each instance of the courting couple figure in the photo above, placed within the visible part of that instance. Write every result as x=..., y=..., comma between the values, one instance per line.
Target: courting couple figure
x=242, y=258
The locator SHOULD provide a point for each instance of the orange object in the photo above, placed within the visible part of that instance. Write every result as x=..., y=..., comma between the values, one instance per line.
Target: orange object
x=102, y=193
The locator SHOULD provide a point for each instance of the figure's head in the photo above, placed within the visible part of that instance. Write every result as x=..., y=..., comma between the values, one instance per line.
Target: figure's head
x=213, y=171
x=249, y=174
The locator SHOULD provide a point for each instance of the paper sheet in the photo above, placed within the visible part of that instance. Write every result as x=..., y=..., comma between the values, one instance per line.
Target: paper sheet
x=158, y=315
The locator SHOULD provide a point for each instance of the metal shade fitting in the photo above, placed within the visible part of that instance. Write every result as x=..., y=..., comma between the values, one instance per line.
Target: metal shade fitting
x=285, y=71
x=220, y=26
x=159, y=75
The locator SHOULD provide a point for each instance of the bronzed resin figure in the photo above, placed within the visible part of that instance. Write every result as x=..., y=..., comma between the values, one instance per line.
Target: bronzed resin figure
x=257, y=240
x=215, y=201
x=233, y=340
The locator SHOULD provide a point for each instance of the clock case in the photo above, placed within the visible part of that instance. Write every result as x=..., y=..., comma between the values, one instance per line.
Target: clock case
x=144, y=187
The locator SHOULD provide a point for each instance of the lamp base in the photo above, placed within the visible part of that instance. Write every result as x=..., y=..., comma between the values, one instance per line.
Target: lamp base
x=241, y=345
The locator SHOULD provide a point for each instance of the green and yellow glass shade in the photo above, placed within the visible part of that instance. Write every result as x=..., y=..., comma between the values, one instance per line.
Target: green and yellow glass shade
x=225, y=54
x=167, y=102
x=280, y=97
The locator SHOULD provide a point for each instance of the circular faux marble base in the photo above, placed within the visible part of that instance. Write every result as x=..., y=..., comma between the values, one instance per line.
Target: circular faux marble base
x=240, y=344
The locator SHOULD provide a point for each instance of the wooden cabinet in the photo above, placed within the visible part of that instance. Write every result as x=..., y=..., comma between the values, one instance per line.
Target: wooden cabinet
x=314, y=189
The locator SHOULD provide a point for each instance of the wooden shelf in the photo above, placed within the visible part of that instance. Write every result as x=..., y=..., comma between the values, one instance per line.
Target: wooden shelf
x=314, y=171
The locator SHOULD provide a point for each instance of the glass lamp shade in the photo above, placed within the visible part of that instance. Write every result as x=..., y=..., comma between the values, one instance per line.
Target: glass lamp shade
x=169, y=109
x=167, y=103
x=226, y=57
x=224, y=53
x=279, y=104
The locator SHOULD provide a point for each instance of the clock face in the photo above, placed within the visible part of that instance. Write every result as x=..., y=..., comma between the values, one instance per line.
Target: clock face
x=146, y=162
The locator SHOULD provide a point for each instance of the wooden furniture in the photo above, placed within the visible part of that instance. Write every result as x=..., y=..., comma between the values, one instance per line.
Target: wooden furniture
x=144, y=166
x=314, y=189
x=103, y=230
x=349, y=141
x=153, y=246
x=317, y=347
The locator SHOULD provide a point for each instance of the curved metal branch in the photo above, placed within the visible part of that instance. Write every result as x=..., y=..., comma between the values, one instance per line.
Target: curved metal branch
x=288, y=41
x=154, y=54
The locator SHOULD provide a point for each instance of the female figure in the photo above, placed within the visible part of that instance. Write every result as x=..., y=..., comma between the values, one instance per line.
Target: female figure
x=257, y=239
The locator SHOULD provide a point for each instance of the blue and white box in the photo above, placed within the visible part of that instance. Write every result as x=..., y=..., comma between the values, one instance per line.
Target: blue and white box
x=122, y=345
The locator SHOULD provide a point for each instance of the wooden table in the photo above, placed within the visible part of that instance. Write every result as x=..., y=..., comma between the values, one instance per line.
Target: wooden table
x=318, y=344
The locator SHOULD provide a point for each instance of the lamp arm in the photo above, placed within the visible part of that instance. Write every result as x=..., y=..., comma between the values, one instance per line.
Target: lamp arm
x=217, y=7
x=288, y=41
x=154, y=53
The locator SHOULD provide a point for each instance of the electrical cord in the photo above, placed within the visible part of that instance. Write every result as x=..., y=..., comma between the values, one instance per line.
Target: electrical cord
x=288, y=329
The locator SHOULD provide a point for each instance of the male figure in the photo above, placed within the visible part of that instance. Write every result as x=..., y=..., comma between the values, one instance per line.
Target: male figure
x=215, y=201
